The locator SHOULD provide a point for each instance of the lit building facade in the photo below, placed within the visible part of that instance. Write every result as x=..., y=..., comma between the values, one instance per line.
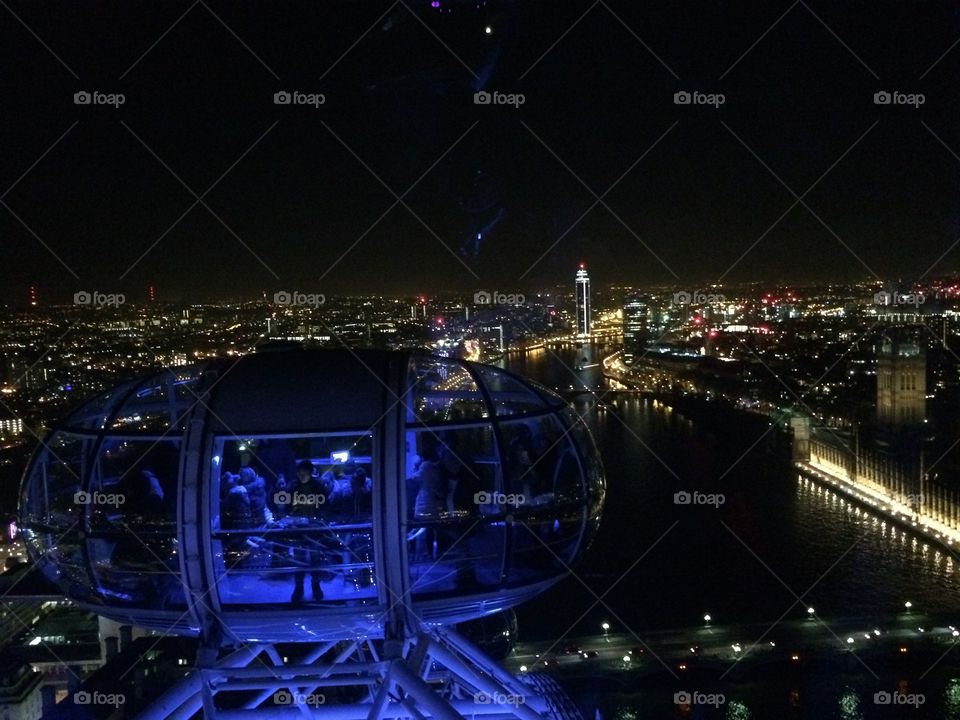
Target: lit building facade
x=11, y=427
x=901, y=381
x=634, y=327
x=583, y=302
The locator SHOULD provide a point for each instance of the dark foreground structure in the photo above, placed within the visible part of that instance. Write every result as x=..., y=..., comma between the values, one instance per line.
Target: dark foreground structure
x=357, y=504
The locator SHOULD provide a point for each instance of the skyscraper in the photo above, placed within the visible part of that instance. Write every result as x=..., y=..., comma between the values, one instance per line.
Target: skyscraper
x=583, y=302
x=634, y=327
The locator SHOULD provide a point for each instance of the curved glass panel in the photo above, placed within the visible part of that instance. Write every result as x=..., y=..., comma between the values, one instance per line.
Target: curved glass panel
x=60, y=558
x=500, y=486
x=131, y=511
x=135, y=567
x=543, y=544
x=160, y=403
x=53, y=494
x=456, y=556
x=456, y=543
x=509, y=395
x=134, y=485
x=541, y=465
x=594, y=482
x=94, y=414
x=545, y=462
x=442, y=391
x=451, y=473
x=290, y=540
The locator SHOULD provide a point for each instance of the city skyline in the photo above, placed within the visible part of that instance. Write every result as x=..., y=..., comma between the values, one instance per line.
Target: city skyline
x=516, y=359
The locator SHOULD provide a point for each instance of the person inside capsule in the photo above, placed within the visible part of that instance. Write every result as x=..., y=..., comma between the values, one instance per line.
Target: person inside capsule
x=305, y=509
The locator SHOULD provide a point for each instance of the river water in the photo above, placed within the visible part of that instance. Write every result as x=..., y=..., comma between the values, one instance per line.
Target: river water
x=772, y=539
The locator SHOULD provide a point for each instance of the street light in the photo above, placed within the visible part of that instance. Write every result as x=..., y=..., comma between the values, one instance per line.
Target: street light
x=707, y=618
x=908, y=604
x=606, y=629
x=810, y=611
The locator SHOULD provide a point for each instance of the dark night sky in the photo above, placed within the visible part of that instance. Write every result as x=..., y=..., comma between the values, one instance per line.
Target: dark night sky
x=399, y=99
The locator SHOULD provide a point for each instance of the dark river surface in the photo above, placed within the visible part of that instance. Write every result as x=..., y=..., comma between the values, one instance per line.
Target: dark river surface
x=736, y=561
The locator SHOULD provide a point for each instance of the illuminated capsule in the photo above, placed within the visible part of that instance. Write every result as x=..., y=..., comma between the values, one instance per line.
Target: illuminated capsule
x=293, y=494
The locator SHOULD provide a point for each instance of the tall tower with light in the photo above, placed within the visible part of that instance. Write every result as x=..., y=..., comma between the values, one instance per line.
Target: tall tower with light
x=583, y=302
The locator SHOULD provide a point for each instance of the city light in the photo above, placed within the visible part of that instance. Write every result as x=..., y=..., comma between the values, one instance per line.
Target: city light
x=336, y=403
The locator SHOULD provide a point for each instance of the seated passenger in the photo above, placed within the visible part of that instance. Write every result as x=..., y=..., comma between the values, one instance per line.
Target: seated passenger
x=431, y=495
x=331, y=478
x=234, y=504
x=454, y=472
x=521, y=470
x=257, y=492
x=279, y=499
x=143, y=496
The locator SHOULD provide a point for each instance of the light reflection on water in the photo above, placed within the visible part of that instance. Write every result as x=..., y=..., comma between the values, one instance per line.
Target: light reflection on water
x=797, y=527
x=651, y=450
